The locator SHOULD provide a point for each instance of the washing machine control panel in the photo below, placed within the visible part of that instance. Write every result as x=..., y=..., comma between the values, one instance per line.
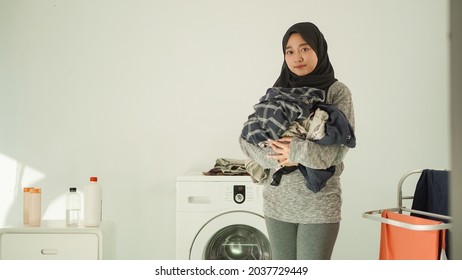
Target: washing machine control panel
x=239, y=193
x=247, y=195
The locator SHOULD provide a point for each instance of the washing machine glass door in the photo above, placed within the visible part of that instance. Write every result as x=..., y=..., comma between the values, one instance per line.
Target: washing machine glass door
x=235, y=235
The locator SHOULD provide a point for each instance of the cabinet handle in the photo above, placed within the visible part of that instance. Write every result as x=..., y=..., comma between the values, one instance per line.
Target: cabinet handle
x=49, y=251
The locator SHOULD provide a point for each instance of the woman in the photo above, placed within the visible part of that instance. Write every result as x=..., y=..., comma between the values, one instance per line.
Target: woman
x=301, y=223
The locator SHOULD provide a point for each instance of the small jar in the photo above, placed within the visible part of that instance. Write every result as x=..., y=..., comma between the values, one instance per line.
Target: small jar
x=35, y=207
x=25, y=204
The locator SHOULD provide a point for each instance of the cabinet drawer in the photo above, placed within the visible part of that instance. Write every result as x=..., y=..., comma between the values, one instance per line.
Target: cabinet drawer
x=49, y=246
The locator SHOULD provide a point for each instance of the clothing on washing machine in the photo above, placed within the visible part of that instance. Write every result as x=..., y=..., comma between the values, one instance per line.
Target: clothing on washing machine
x=228, y=167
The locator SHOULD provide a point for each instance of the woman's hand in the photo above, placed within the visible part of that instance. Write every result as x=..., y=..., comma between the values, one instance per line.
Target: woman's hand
x=281, y=151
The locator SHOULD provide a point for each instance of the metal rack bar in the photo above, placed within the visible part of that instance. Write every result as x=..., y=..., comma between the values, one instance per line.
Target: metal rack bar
x=400, y=187
x=376, y=216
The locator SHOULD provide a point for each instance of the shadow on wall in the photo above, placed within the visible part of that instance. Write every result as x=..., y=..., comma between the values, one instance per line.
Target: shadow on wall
x=14, y=176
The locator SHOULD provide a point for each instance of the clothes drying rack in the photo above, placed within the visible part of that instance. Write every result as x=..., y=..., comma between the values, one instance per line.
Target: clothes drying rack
x=376, y=214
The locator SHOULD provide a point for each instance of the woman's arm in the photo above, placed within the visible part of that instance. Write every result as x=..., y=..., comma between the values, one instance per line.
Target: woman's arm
x=257, y=154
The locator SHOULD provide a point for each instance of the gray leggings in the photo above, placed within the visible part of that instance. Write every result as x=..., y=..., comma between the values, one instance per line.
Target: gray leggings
x=291, y=241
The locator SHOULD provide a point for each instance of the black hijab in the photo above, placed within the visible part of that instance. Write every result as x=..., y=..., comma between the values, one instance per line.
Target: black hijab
x=322, y=76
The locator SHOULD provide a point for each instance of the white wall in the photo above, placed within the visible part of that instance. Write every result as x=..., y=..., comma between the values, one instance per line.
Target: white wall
x=138, y=92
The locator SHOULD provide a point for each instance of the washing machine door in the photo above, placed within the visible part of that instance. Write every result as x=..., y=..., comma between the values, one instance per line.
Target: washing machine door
x=237, y=235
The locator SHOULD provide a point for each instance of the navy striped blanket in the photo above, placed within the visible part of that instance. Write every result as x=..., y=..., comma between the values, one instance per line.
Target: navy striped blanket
x=277, y=110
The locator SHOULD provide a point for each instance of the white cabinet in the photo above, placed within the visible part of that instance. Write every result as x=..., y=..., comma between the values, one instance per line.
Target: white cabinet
x=51, y=241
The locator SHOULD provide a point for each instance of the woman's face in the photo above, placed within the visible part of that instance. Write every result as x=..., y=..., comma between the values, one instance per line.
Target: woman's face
x=299, y=56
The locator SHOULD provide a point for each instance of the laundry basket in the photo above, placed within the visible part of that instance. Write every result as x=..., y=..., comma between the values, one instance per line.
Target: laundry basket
x=408, y=233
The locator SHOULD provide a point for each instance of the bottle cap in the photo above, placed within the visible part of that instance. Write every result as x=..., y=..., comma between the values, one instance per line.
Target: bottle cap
x=93, y=179
x=27, y=189
x=36, y=190
x=72, y=189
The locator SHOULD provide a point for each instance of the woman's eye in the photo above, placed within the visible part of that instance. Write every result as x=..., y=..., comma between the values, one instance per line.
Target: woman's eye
x=305, y=49
x=289, y=52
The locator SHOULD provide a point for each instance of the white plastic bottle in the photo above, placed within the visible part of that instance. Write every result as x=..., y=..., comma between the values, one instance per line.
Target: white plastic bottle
x=26, y=202
x=93, y=203
x=72, y=208
x=35, y=207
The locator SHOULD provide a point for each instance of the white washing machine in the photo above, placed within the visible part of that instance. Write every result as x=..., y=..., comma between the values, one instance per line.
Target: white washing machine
x=220, y=217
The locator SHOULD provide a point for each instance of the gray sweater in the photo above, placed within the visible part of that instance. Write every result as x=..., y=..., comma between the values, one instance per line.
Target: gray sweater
x=291, y=201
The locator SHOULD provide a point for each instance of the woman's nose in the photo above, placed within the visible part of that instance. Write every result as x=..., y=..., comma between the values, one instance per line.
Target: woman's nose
x=298, y=57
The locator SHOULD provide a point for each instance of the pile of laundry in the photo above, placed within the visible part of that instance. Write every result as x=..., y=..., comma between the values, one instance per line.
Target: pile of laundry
x=228, y=167
x=298, y=112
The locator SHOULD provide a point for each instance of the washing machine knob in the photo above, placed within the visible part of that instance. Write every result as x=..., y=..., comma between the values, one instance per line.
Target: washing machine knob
x=239, y=198
x=239, y=194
